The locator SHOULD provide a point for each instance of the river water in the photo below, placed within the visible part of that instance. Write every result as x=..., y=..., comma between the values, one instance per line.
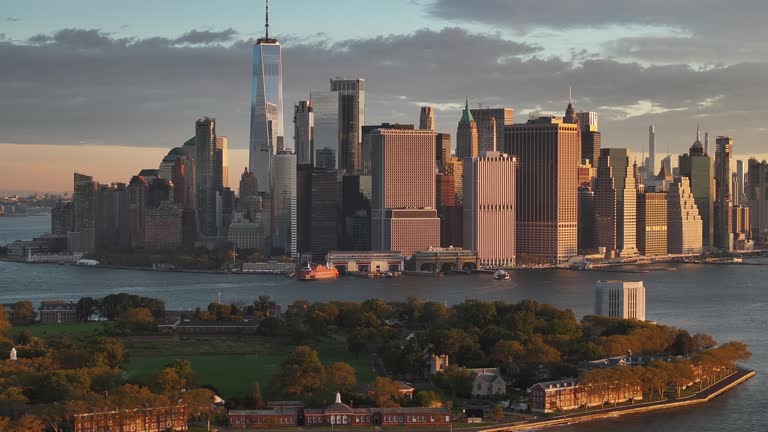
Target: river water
x=730, y=302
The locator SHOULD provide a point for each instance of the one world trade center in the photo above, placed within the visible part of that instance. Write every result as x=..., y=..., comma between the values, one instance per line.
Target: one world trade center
x=266, y=108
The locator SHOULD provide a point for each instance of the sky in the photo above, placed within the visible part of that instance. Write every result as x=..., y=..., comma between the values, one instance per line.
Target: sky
x=107, y=87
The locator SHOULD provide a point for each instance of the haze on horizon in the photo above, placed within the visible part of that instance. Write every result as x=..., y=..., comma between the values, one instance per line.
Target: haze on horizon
x=108, y=90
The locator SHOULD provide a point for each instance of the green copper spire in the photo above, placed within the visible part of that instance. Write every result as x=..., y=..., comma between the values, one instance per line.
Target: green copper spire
x=466, y=116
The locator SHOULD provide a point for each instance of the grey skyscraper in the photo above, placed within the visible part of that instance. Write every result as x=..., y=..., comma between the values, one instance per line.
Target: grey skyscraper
x=651, y=168
x=723, y=194
x=304, y=127
x=427, y=118
x=325, y=106
x=284, y=204
x=351, y=119
x=205, y=174
x=491, y=121
x=740, y=197
x=266, y=107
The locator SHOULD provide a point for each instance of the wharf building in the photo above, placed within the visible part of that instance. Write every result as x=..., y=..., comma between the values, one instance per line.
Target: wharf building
x=490, y=208
x=652, y=224
x=404, y=218
x=620, y=299
x=616, y=203
x=697, y=166
x=467, y=135
x=723, y=223
x=351, y=115
x=547, y=199
x=684, y=222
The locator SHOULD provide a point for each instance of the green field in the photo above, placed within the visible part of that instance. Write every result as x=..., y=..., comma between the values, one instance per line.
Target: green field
x=231, y=364
x=75, y=330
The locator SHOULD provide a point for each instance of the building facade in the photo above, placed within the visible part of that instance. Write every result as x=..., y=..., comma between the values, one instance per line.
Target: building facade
x=304, y=132
x=205, y=172
x=351, y=120
x=327, y=141
x=723, y=235
x=547, y=198
x=427, y=118
x=756, y=191
x=467, y=135
x=284, y=203
x=684, y=222
x=620, y=299
x=163, y=227
x=490, y=127
x=490, y=208
x=616, y=203
x=652, y=223
x=697, y=166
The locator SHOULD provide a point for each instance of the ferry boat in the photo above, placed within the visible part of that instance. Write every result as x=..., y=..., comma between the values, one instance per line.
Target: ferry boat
x=319, y=272
x=501, y=275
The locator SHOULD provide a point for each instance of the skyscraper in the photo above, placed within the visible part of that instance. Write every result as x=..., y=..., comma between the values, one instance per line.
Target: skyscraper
x=489, y=208
x=590, y=137
x=616, y=202
x=697, y=166
x=620, y=299
x=491, y=121
x=324, y=204
x=327, y=141
x=723, y=196
x=586, y=219
x=266, y=106
x=684, y=224
x=547, y=200
x=740, y=197
x=367, y=145
x=651, y=167
x=652, y=214
x=205, y=174
x=443, y=149
x=757, y=197
x=466, y=135
x=284, y=203
x=427, y=118
x=403, y=206
x=221, y=166
x=304, y=132
x=351, y=112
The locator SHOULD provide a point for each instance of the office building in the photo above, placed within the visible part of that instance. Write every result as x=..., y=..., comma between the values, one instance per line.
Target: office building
x=162, y=226
x=588, y=121
x=324, y=224
x=304, y=207
x=86, y=203
x=205, y=172
x=590, y=146
x=684, y=224
x=723, y=235
x=427, y=118
x=697, y=166
x=404, y=218
x=740, y=196
x=351, y=113
x=586, y=237
x=620, y=299
x=221, y=164
x=466, y=135
x=490, y=208
x=442, y=150
x=490, y=127
x=137, y=204
x=455, y=167
x=449, y=210
x=756, y=191
x=616, y=203
x=650, y=167
x=249, y=185
x=284, y=204
x=355, y=215
x=652, y=214
x=247, y=235
x=327, y=140
x=547, y=197
x=303, y=132
x=366, y=147
x=62, y=218
x=266, y=108
x=159, y=190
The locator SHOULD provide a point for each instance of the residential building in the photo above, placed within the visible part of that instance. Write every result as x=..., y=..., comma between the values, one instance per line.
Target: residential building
x=697, y=166
x=205, y=172
x=652, y=214
x=85, y=200
x=351, y=119
x=304, y=132
x=427, y=118
x=620, y=299
x=547, y=198
x=467, y=135
x=684, y=222
x=616, y=203
x=723, y=236
x=490, y=208
x=571, y=394
x=266, y=108
x=62, y=218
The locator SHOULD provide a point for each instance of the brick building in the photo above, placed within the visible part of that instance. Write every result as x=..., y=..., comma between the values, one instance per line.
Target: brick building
x=58, y=312
x=162, y=419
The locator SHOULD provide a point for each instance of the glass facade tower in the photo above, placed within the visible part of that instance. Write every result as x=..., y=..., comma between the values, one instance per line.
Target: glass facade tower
x=327, y=131
x=266, y=110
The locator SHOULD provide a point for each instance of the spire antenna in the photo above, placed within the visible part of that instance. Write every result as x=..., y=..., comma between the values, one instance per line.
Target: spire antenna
x=266, y=24
x=570, y=93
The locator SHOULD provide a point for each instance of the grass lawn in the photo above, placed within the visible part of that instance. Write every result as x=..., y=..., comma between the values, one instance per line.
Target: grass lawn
x=230, y=363
x=75, y=330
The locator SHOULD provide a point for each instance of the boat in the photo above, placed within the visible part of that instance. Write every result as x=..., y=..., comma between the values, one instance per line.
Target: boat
x=501, y=275
x=318, y=272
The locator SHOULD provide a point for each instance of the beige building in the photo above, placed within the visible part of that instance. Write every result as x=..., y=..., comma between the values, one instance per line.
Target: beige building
x=684, y=224
x=652, y=223
x=616, y=203
x=620, y=299
x=487, y=382
x=467, y=138
x=547, y=197
x=247, y=234
x=455, y=168
x=489, y=208
x=404, y=218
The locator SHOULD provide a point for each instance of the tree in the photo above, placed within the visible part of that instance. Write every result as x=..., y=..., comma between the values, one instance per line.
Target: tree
x=168, y=382
x=271, y=326
x=136, y=319
x=498, y=413
x=340, y=376
x=507, y=354
x=26, y=423
x=86, y=307
x=254, y=398
x=428, y=398
x=109, y=352
x=386, y=393
x=454, y=380
x=199, y=402
x=23, y=311
x=681, y=375
x=5, y=326
x=301, y=374
x=184, y=369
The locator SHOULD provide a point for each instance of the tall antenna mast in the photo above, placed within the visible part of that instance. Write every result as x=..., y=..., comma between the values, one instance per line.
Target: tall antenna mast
x=266, y=24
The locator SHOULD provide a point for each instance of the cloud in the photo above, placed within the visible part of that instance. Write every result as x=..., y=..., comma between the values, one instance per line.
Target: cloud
x=85, y=85
x=13, y=19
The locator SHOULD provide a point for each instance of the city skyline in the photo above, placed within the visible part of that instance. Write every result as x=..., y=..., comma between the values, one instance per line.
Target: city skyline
x=537, y=70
